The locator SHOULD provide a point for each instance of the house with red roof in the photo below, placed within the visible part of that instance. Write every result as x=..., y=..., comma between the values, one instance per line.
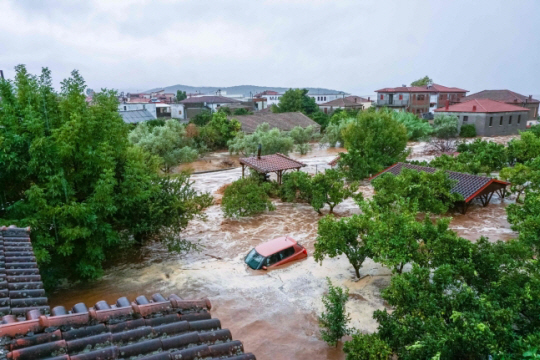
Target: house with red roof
x=490, y=117
x=352, y=102
x=509, y=97
x=419, y=99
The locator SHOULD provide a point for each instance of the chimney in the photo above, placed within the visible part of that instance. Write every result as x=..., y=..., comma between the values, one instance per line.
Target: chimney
x=474, y=108
x=368, y=98
x=355, y=99
x=447, y=104
x=530, y=96
x=404, y=85
x=259, y=152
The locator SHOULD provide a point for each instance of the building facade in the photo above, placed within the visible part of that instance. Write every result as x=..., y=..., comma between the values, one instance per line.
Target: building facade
x=350, y=102
x=511, y=98
x=419, y=99
x=490, y=118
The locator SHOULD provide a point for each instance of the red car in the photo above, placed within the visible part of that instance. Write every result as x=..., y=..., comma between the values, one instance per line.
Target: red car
x=274, y=253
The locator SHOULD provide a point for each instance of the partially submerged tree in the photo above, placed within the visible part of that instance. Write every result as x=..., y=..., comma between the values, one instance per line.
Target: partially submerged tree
x=333, y=321
x=329, y=188
x=367, y=347
x=445, y=132
x=296, y=187
x=417, y=129
x=342, y=237
x=520, y=177
x=246, y=197
x=374, y=141
x=302, y=136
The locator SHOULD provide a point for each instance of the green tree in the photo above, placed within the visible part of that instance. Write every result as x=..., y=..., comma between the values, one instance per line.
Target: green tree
x=374, y=140
x=180, y=95
x=296, y=187
x=333, y=133
x=417, y=129
x=246, y=197
x=296, y=100
x=489, y=155
x=202, y=118
x=367, y=347
x=342, y=237
x=467, y=131
x=227, y=129
x=320, y=118
x=431, y=192
x=333, y=321
x=525, y=219
x=69, y=172
x=445, y=126
x=242, y=111
x=520, y=177
x=329, y=188
x=271, y=140
x=169, y=142
x=302, y=136
x=526, y=148
x=422, y=81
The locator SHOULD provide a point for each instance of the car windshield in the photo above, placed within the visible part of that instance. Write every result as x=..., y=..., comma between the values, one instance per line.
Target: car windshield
x=254, y=260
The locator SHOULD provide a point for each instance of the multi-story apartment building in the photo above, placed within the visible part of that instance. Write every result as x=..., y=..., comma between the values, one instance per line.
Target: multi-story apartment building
x=419, y=99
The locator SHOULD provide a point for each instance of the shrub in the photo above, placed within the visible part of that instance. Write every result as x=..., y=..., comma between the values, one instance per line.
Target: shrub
x=417, y=129
x=272, y=141
x=367, y=347
x=202, y=118
x=302, y=136
x=445, y=126
x=467, y=131
x=333, y=321
x=329, y=188
x=296, y=187
x=246, y=197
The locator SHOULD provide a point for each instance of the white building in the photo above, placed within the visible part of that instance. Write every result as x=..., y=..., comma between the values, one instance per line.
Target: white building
x=151, y=107
x=273, y=97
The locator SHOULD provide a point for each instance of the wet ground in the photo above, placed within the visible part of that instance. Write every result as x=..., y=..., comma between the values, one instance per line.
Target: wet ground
x=273, y=312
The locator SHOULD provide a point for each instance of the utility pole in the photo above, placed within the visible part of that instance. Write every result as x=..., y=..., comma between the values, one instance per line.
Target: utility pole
x=2, y=74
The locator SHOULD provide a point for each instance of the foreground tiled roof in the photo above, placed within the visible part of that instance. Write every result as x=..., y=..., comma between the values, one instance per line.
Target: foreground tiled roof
x=467, y=185
x=347, y=101
x=500, y=95
x=434, y=88
x=283, y=121
x=21, y=289
x=209, y=99
x=157, y=329
x=135, y=116
x=482, y=106
x=271, y=163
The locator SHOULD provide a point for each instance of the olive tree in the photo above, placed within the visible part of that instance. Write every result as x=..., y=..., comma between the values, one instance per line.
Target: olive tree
x=329, y=188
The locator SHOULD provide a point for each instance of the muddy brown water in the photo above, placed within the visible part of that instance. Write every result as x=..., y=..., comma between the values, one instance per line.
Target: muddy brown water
x=274, y=313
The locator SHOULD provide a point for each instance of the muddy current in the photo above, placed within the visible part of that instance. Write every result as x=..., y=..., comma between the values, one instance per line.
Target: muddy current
x=274, y=313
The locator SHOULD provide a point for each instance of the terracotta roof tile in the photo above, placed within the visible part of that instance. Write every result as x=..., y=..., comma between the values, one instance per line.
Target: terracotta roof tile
x=271, y=163
x=146, y=329
x=500, y=95
x=467, y=185
x=482, y=106
x=434, y=88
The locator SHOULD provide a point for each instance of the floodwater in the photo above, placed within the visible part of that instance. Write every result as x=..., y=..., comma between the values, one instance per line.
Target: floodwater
x=274, y=313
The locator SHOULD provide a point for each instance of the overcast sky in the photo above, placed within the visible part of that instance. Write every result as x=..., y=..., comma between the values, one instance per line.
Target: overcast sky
x=356, y=46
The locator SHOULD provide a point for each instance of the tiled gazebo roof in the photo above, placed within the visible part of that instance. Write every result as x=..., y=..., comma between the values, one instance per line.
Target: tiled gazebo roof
x=468, y=186
x=271, y=163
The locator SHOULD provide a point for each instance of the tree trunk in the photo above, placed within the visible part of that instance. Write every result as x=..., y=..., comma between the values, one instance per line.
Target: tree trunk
x=400, y=270
x=357, y=271
x=331, y=208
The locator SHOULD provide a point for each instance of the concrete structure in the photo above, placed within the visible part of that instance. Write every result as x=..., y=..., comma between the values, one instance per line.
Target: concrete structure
x=491, y=118
x=209, y=102
x=509, y=97
x=150, y=107
x=419, y=99
x=273, y=97
x=136, y=116
x=349, y=102
x=283, y=121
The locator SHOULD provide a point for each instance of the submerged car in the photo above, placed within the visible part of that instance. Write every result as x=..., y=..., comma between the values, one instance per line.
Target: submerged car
x=274, y=253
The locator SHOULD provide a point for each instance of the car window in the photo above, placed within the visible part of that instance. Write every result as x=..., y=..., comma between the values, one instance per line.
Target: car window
x=283, y=254
x=254, y=259
x=272, y=259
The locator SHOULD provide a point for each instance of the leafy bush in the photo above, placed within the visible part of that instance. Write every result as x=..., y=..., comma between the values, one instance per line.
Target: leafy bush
x=202, y=118
x=467, y=131
x=367, y=347
x=333, y=133
x=272, y=141
x=296, y=187
x=430, y=191
x=334, y=320
x=320, y=118
x=169, y=142
x=246, y=197
x=417, y=129
x=488, y=154
x=445, y=126
x=70, y=172
x=296, y=100
x=374, y=141
x=302, y=136
x=526, y=148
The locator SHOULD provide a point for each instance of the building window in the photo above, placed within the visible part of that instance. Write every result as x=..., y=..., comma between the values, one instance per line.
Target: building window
x=491, y=121
x=325, y=98
x=441, y=97
x=125, y=108
x=500, y=121
x=400, y=97
x=519, y=119
x=510, y=120
x=420, y=97
x=382, y=96
x=465, y=118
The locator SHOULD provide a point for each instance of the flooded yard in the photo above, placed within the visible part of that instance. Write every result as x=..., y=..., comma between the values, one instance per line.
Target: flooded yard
x=274, y=313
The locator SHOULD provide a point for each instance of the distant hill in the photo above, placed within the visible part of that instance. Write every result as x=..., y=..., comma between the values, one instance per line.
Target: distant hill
x=240, y=89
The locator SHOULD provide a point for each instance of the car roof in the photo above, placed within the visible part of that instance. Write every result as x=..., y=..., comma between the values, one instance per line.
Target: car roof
x=276, y=245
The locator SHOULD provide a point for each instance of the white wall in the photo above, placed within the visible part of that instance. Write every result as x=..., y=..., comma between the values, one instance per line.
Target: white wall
x=178, y=111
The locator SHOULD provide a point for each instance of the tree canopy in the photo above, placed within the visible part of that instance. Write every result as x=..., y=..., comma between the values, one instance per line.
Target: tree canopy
x=422, y=81
x=296, y=100
x=272, y=141
x=246, y=197
x=69, y=172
